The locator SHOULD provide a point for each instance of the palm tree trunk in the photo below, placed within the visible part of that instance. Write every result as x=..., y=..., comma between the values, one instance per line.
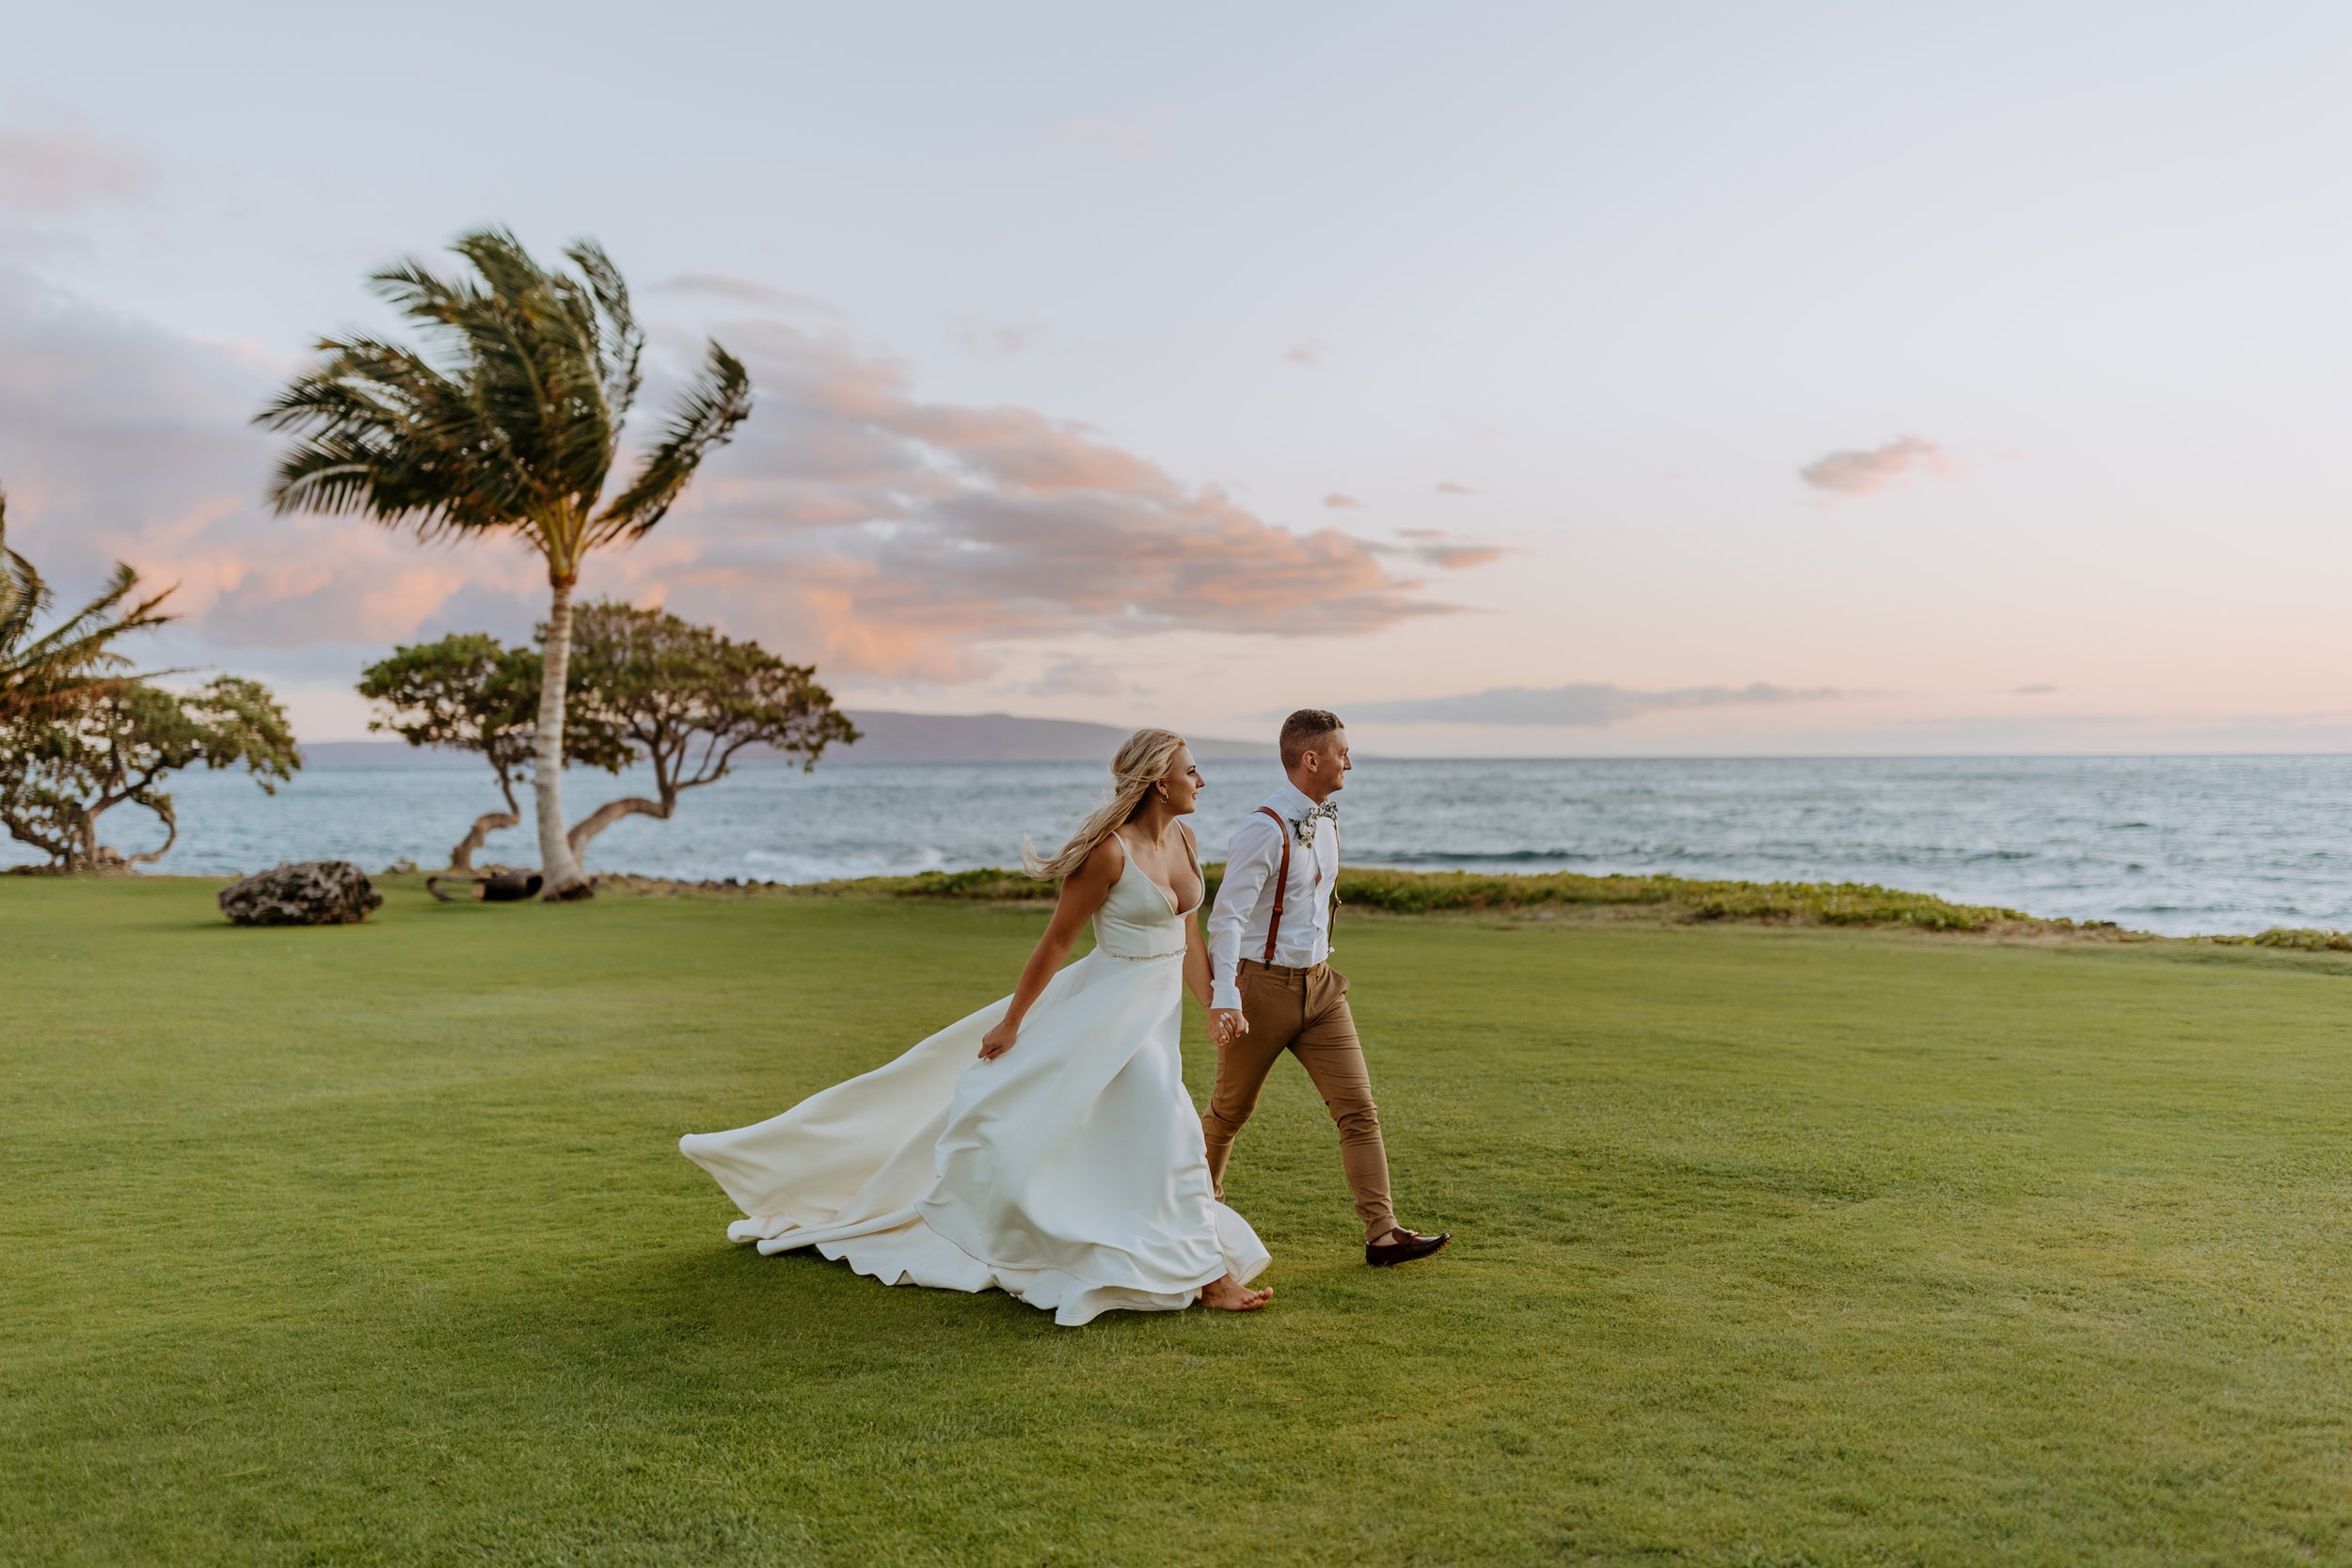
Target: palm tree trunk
x=556, y=861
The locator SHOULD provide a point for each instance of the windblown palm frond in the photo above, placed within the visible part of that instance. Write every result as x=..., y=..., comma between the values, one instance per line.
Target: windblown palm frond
x=507, y=413
x=389, y=436
x=74, y=662
x=624, y=343
x=23, y=595
x=705, y=418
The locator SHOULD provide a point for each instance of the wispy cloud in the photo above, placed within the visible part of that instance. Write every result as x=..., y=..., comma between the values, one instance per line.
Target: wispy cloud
x=49, y=170
x=1338, y=503
x=1453, y=558
x=999, y=340
x=1072, y=677
x=741, y=291
x=1866, y=471
x=2037, y=690
x=1454, y=488
x=1128, y=141
x=1306, y=351
x=1434, y=547
x=1585, y=705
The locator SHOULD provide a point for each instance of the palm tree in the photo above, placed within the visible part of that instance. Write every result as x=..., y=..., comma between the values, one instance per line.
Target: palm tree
x=508, y=420
x=72, y=663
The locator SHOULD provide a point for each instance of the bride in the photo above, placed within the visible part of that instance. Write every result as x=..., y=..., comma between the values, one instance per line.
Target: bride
x=1044, y=1146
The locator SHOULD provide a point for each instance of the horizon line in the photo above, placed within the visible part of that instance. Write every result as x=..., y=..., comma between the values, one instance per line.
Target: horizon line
x=1379, y=756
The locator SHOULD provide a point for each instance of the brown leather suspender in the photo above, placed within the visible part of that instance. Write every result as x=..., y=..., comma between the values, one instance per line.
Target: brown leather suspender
x=1281, y=883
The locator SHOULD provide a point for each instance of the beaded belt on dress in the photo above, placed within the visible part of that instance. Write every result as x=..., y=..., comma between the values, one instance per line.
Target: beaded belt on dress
x=1141, y=957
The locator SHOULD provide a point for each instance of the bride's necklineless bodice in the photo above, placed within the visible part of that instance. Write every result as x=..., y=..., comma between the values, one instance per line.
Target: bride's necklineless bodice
x=1140, y=919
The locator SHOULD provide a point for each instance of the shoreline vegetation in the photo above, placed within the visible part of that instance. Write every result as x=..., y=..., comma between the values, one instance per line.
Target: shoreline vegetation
x=1568, y=897
x=1572, y=896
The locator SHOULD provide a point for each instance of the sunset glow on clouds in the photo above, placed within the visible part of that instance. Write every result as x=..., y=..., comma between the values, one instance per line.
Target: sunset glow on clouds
x=1876, y=469
x=1107, y=371
x=963, y=523
x=878, y=533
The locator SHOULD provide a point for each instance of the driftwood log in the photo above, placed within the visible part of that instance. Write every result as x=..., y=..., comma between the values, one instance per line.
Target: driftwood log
x=506, y=887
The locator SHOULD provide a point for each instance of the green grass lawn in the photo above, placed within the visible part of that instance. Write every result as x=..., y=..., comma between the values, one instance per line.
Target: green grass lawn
x=371, y=1245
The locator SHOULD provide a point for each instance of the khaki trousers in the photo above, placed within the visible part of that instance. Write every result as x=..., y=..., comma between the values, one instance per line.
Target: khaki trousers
x=1303, y=1011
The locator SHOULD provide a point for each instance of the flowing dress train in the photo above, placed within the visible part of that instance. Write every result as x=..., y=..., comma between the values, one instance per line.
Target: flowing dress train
x=1068, y=1172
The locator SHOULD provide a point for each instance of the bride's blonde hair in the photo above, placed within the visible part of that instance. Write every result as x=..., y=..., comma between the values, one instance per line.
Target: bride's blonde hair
x=1142, y=762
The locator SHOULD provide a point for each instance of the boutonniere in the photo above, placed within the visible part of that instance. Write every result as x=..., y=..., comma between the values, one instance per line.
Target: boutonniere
x=1305, y=826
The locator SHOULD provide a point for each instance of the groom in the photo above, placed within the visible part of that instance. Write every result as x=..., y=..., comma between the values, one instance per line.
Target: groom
x=1271, y=990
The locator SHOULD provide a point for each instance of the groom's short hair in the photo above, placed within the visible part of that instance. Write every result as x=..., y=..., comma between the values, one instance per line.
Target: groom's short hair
x=1305, y=730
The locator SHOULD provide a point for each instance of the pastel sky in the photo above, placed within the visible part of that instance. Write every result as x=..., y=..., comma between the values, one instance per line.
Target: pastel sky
x=1515, y=379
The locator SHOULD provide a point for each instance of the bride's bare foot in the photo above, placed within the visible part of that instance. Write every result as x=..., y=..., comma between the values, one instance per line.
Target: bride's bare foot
x=1230, y=1295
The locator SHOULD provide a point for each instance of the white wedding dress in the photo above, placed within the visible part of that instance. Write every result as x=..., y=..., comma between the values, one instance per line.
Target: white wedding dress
x=1068, y=1172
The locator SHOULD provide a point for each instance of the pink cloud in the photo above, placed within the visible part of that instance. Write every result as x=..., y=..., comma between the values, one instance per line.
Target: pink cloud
x=928, y=530
x=118, y=441
x=50, y=170
x=121, y=442
x=1338, y=503
x=1455, y=557
x=1452, y=487
x=1869, y=470
x=852, y=521
x=741, y=291
x=1306, y=351
x=1429, y=547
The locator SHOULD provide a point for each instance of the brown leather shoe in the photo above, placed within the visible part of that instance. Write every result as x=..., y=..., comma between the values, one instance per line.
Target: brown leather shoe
x=1406, y=1248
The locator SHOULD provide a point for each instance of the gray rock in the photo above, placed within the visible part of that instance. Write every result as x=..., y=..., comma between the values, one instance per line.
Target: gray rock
x=302, y=893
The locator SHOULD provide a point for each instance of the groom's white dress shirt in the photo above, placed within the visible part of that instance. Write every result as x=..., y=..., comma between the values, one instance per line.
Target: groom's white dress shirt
x=1245, y=902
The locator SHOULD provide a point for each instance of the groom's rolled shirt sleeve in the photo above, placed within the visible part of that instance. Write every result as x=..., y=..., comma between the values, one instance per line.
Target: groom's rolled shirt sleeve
x=1248, y=866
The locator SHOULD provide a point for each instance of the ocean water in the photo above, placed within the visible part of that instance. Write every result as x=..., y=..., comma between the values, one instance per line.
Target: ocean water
x=2176, y=844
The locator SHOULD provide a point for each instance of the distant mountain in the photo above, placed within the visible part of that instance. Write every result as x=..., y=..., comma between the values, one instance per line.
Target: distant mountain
x=1003, y=738
x=888, y=737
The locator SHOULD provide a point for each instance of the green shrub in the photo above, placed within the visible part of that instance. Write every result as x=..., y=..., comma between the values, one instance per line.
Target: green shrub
x=1435, y=891
x=2305, y=940
x=986, y=883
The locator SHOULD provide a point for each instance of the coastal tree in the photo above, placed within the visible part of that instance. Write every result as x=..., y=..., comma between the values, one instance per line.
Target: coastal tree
x=507, y=421
x=648, y=688
x=46, y=674
x=61, y=774
x=686, y=700
x=471, y=692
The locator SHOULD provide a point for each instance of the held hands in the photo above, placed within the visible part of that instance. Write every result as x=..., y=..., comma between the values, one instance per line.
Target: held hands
x=999, y=1039
x=1226, y=1024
